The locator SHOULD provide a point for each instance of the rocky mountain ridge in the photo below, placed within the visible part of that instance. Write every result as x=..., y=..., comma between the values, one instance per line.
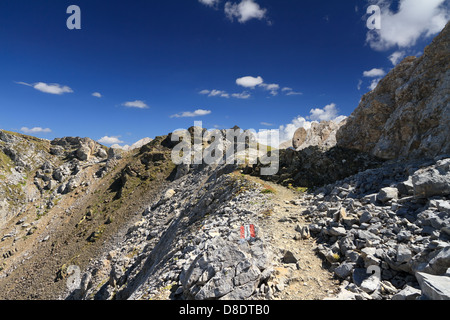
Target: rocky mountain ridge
x=408, y=113
x=81, y=221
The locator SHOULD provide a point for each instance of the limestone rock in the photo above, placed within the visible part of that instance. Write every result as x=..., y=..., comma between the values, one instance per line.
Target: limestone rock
x=322, y=135
x=408, y=114
x=432, y=181
x=408, y=293
x=434, y=287
x=387, y=194
x=84, y=153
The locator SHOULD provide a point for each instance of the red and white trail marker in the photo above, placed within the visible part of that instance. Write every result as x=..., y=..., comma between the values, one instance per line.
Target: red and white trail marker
x=248, y=232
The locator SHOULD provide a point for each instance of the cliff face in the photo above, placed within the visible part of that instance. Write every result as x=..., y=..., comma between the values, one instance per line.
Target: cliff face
x=408, y=114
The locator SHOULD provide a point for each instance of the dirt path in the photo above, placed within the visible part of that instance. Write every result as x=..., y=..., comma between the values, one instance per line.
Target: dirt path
x=306, y=279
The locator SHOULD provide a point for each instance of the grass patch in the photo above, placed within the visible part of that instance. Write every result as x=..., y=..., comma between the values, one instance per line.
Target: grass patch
x=297, y=189
x=268, y=190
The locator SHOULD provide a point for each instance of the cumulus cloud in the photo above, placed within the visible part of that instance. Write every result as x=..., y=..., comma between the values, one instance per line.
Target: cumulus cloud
x=413, y=20
x=274, y=137
x=53, y=88
x=244, y=11
x=139, y=104
x=374, y=73
x=110, y=140
x=97, y=94
x=35, y=130
x=189, y=114
x=329, y=112
x=396, y=57
x=249, y=82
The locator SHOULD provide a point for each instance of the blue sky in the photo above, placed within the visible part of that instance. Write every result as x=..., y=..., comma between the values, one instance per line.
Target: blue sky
x=157, y=66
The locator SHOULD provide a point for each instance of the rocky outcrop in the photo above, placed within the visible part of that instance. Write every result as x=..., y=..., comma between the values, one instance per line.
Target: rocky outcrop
x=322, y=135
x=81, y=148
x=408, y=114
x=38, y=171
x=188, y=245
x=314, y=167
x=385, y=241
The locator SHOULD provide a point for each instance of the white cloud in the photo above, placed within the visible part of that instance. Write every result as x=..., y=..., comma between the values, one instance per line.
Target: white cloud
x=243, y=95
x=188, y=114
x=53, y=88
x=290, y=92
x=267, y=124
x=35, y=130
x=135, y=104
x=249, y=82
x=396, y=57
x=218, y=93
x=286, y=132
x=374, y=73
x=244, y=11
x=360, y=82
x=273, y=88
x=340, y=119
x=224, y=94
x=97, y=94
x=210, y=3
x=328, y=113
x=294, y=93
x=374, y=84
x=413, y=20
x=110, y=140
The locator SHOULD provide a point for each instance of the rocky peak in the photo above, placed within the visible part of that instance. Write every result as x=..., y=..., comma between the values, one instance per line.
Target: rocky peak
x=82, y=148
x=408, y=114
x=322, y=135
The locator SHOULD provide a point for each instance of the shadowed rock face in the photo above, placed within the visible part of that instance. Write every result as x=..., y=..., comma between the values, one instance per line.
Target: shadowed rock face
x=408, y=114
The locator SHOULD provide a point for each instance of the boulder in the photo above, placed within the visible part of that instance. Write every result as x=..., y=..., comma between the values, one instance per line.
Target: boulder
x=101, y=153
x=387, y=194
x=433, y=181
x=299, y=137
x=344, y=270
x=289, y=257
x=408, y=293
x=439, y=264
x=434, y=287
x=83, y=153
x=371, y=284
